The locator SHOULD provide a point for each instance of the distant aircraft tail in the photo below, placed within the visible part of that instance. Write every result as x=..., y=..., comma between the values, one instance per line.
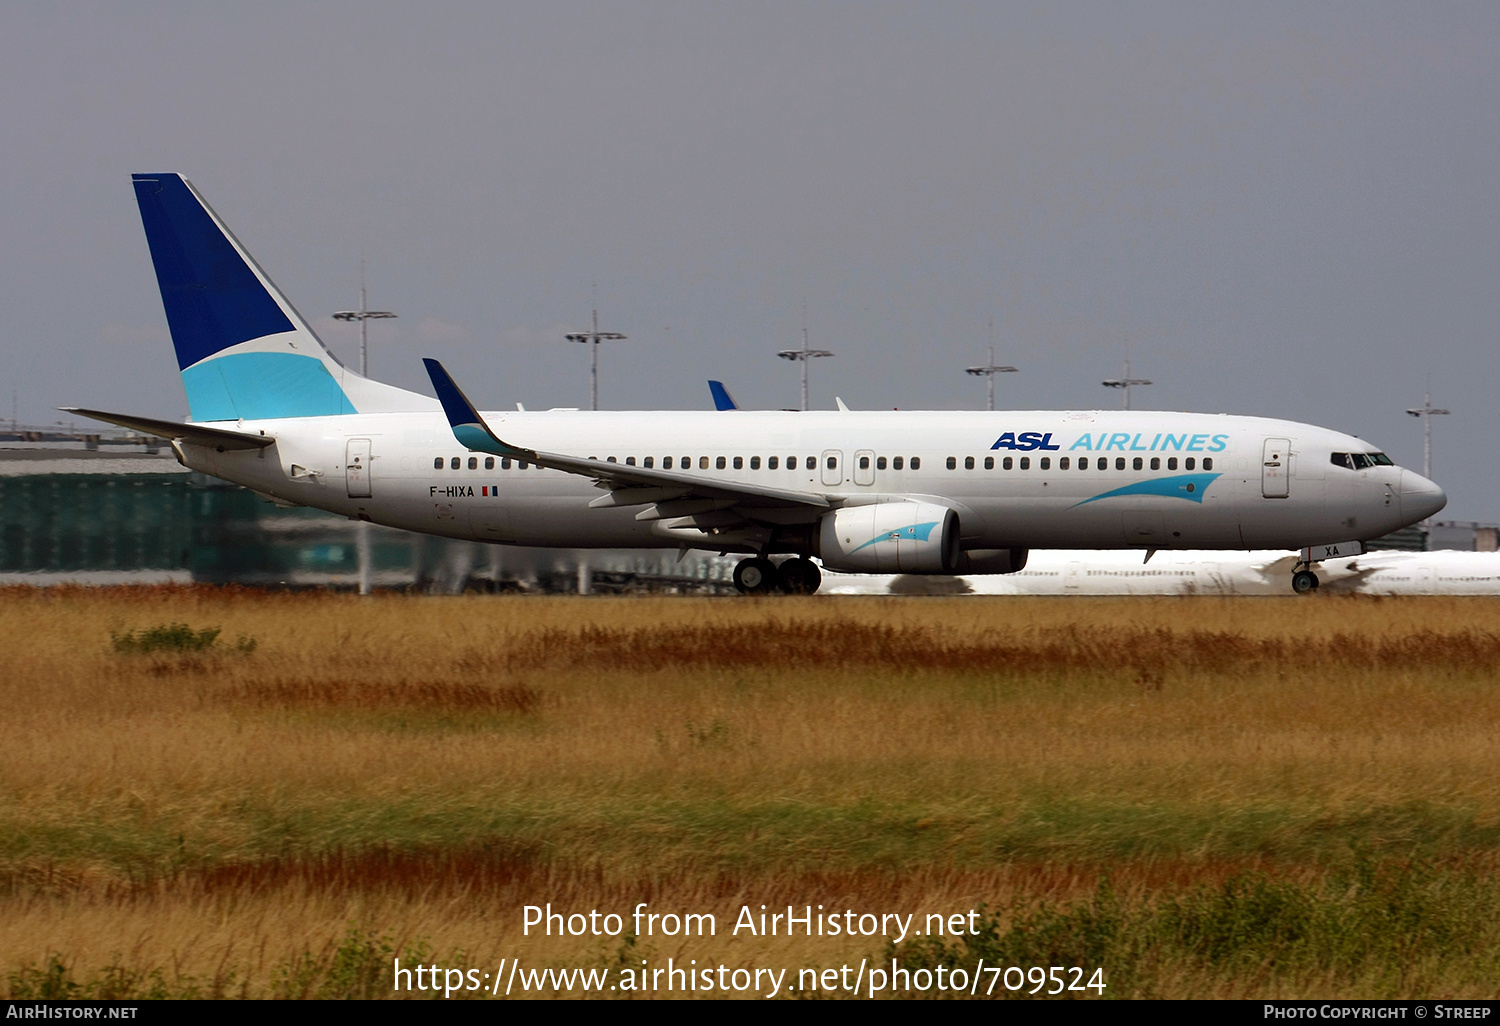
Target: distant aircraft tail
x=722, y=399
x=244, y=351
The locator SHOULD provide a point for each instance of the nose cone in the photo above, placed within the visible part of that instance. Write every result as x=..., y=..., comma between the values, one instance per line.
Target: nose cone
x=1420, y=498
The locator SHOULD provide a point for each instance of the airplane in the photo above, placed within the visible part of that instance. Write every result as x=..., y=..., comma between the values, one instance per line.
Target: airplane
x=908, y=492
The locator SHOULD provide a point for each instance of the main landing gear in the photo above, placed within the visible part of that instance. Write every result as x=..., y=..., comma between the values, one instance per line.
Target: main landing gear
x=759, y=576
x=1304, y=580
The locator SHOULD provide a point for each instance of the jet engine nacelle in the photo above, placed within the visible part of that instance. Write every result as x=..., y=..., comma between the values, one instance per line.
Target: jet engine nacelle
x=891, y=538
x=992, y=561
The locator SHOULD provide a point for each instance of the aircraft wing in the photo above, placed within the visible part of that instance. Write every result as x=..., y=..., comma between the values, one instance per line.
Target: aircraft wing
x=671, y=493
x=196, y=434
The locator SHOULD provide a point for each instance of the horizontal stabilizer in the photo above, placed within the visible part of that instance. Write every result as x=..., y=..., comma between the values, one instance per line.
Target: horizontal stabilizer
x=194, y=434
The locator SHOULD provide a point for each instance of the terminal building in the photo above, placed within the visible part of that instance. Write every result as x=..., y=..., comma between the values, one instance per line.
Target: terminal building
x=94, y=510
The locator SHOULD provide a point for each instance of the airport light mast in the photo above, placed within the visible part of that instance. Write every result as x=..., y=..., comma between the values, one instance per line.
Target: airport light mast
x=804, y=354
x=1123, y=383
x=989, y=370
x=592, y=340
x=363, y=315
x=1427, y=411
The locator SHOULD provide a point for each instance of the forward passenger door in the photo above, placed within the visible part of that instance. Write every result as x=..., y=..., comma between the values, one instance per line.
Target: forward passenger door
x=1274, y=464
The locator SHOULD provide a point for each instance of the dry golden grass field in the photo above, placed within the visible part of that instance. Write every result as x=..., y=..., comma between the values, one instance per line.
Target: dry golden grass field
x=1202, y=796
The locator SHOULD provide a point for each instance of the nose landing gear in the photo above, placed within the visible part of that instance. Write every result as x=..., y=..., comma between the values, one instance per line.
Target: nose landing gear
x=1304, y=581
x=759, y=576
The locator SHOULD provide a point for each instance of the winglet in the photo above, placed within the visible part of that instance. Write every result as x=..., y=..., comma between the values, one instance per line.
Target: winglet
x=722, y=399
x=468, y=426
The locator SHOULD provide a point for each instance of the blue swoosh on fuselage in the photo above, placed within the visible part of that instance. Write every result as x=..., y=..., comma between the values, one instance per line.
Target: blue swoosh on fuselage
x=1182, y=486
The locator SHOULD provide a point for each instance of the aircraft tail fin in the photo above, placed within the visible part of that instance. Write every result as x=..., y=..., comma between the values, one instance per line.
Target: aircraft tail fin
x=243, y=350
x=722, y=399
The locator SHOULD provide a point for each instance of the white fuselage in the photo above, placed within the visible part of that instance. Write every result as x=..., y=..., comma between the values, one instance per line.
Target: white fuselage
x=1168, y=481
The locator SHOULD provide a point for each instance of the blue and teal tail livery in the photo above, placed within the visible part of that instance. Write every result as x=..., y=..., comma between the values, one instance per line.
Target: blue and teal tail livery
x=244, y=351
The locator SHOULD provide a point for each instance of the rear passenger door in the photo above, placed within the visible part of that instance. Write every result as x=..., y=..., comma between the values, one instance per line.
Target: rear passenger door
x=357, y=468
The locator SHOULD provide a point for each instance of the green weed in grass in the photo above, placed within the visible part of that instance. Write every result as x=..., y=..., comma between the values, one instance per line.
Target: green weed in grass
x=174, y=637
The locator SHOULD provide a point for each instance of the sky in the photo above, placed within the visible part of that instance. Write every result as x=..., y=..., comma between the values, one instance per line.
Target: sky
x=1282, y=209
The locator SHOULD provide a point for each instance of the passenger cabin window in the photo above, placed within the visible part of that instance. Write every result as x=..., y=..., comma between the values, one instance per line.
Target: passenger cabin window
x=489, y=463
x=1189, y=463
x=666, y=463
x=754, y=462
x=989, y=463
x=719, y=463
x=968, y=463
x=1103, y=462
x=916, y=463
x=739, y=463
x=437, y=464
x=1156, y=463
x=864, y=463
x=504, y=462
x=702, y=462
x=879, y=462
x=649, y=462
x=611, y=459
x=773, y=462
x=687, y=463
x=812, y=463
x=454, y=464
x=1138, y=464
x=1064, y=464
x=1119, y=462
x=630, y=461
x=1046, y=462
x=897, y=462
x=1007, y=463
x=473, y=462
x=833, y=462
x=1208, y=463
x=1025, y=462
x=1171, y=462
x=952, y=463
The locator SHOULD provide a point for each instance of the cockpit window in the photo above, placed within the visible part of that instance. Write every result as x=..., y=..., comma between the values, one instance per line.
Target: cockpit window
x=1360, y=460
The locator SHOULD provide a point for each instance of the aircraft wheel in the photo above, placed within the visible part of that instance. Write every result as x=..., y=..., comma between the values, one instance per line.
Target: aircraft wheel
x=1304, y=581
x=755, y=576
x=799, y=576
